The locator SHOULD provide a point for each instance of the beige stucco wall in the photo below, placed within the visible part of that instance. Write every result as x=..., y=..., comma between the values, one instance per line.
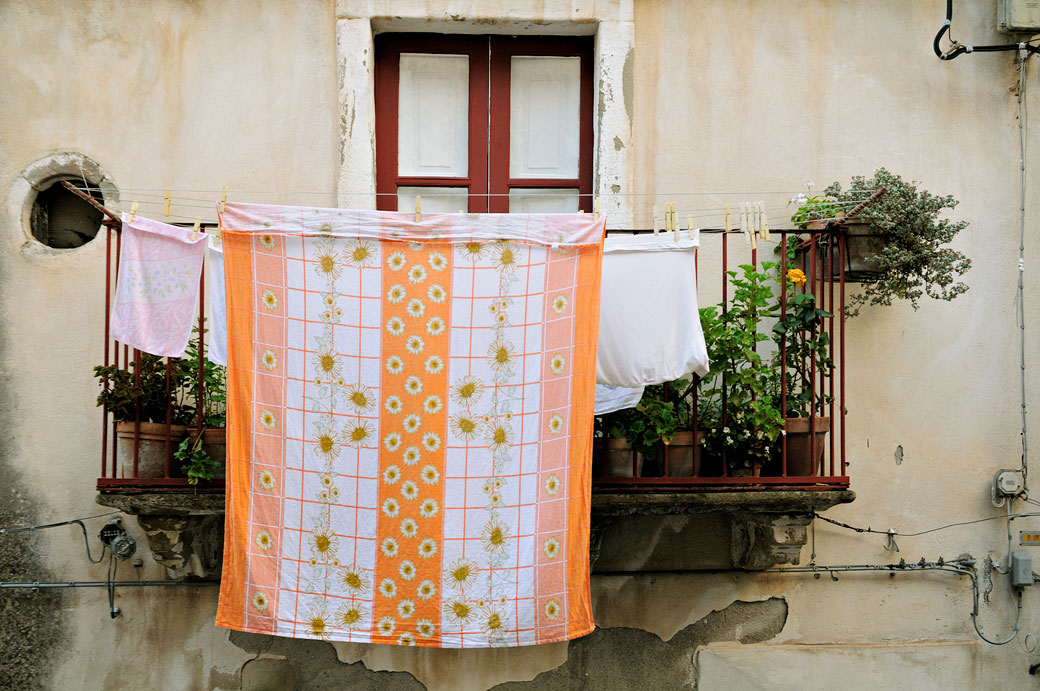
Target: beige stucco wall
x=715, y=101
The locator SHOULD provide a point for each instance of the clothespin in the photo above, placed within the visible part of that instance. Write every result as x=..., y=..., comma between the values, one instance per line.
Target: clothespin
x=689, y=225
x=223, y=198
x=133, y=211
x=765, y=226
x=674, y=221
x=729, y=223
x=595, y=209
x=166, y=204
x=418, y=206
x=656, y=228
x=195, y=228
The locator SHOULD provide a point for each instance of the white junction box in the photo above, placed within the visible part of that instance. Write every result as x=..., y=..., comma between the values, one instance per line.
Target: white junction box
x=1018, y=16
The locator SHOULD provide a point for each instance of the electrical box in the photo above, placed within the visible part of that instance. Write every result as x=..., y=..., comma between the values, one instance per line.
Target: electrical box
x=1018, y=16
x=1021, y=569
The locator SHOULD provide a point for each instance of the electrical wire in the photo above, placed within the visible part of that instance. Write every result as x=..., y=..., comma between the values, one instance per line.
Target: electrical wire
x=76, y=521
x=959, y=49
x=898, y=534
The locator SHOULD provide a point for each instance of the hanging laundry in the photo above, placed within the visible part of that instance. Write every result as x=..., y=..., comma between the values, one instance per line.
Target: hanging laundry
x=216, y=339
x=650, y=329
x=158, y=288
x=409, y=425
x=612, y=398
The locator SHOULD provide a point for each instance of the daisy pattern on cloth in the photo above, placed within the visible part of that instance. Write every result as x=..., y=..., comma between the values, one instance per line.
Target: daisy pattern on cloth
x=414, y=413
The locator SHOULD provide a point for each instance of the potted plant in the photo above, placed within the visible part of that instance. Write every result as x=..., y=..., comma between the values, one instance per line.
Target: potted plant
x=632, y=439
x=803, y=353
x=144, y=405
x=145, y=401
x=737, y=406
x=201, y=455
x=903, y=240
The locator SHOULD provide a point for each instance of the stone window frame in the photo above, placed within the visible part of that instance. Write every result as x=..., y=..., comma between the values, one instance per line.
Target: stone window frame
x=611, y=24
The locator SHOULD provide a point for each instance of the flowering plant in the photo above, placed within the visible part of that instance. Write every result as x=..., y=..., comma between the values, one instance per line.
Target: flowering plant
x=803, y=349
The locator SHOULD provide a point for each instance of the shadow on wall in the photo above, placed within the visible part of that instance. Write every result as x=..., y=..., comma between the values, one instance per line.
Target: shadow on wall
x=614, y=658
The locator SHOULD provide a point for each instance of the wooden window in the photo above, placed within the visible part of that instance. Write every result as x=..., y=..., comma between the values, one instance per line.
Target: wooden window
x=484, y=123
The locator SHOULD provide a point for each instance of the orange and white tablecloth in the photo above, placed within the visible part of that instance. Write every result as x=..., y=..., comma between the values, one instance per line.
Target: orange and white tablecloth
x=410, y=425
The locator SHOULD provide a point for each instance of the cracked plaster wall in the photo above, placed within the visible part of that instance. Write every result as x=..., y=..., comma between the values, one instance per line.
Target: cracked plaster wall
x=702, y=97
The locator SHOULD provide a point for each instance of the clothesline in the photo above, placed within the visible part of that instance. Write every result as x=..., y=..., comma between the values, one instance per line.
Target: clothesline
x=215, y=193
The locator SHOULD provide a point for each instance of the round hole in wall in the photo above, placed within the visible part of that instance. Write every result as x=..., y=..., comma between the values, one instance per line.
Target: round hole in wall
x=63, y=220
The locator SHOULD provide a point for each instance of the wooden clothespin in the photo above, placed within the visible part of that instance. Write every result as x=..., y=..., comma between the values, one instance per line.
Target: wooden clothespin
x=418, y=207
x=656, y=227
x=674, y=221
x=729, y=222
x=595, y=209
x=166, y=204
x=195, y=228
x=223, y=198
x=133, y=211
x=689, y=226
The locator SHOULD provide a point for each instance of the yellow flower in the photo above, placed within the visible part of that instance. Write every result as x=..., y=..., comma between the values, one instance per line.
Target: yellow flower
x=396, y=293
x=267, y=419
x=425, y=627
x=325, y=542
x=796, y=276
x=559, y=304
x=467, y=390
x=266, y=479
x=360, y=253
x=472, y=251
x=361, y=398
x=556, y=424
x=386, y=626
x=495, y=536
x=326, y=441
x=264, y=540
x=355, y=579
x=267, y=241
x=551, y=547
x=269, y=359
x=426, y=590
x=557, y=363
x=436, y=293
x=552, y=609
x=461, y=573
x=458, y=611
x=463, y=427
x=260, y=601
x=328, y=265
x=552, y=484
x=427, y=548
x=406, y=639
x=358, y=433
x=270, y=300
x=493, y=622
x=500, y=355
x=350, y=617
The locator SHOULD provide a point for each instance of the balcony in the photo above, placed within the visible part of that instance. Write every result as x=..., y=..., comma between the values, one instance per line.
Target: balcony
x=742, y=444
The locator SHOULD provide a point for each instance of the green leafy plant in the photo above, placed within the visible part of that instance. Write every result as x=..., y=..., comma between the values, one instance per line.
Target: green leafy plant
x=663, y=411
x=143, y=389
x=214, y=377
x=916, y=260
x=738, y=395
x=196, y=464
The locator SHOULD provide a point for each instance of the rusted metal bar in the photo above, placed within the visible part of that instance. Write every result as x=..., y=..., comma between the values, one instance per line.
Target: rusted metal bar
x=783, y=352
x=90, y=200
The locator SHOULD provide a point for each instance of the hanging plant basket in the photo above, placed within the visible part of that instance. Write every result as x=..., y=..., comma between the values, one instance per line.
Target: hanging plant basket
x=862, y=246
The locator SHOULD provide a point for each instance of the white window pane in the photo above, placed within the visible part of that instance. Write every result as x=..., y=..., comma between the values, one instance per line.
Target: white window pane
x=542, y=201
x=544, y=117
x=448, y=200
x=433, y=115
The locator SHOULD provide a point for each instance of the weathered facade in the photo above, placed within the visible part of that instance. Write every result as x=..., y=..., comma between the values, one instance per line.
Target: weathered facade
x=694, y=101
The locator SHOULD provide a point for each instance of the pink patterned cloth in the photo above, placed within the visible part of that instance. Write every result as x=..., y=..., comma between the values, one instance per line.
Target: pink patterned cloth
x=158, y=289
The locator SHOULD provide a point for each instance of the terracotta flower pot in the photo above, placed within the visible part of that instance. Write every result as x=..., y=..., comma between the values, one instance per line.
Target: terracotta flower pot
x=618, y=457
x=680, y=454
x=799, y=445
x=151, y=447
